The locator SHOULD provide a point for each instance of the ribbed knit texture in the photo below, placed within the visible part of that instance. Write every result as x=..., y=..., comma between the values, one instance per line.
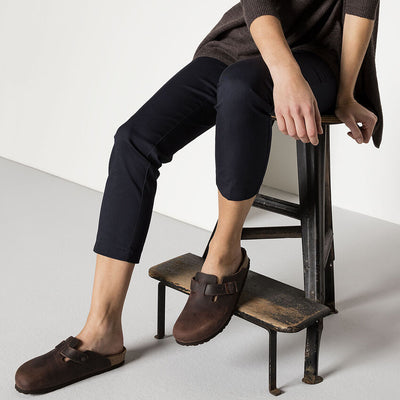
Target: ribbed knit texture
x=313, y=25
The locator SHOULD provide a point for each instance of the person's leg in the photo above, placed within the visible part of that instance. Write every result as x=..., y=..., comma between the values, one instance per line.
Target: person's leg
x=224, y=254
x=181, y=110
x=103, y=328
x=243, y=142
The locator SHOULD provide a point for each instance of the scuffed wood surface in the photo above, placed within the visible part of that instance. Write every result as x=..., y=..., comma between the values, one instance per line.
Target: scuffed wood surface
x=264, y=301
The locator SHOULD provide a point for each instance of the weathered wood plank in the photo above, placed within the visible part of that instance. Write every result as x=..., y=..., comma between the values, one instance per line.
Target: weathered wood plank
x=264, y=301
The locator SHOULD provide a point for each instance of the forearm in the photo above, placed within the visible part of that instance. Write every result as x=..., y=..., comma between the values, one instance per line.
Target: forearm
x=295, y=106
x=356, y=36
x=269, y=38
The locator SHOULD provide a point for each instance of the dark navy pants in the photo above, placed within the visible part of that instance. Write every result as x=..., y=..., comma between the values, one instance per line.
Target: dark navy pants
x=237, y=99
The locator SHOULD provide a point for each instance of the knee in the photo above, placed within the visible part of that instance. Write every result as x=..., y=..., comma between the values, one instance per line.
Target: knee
x=127, y=133
x=234, y=88
x=245, y=85
x=126, y=139
x=134, y=140
x=123, y=133
x=131, y=141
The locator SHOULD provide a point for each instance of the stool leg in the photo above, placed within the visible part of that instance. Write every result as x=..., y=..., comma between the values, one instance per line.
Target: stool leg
x=329, y=271
x=160, y=311
x=311, y=174
x=272, y=364
x=329, y=283
x=313, y=340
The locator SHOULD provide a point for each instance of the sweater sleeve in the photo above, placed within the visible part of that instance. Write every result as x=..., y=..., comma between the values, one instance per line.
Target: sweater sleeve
x=361, y=8
x=255, y=8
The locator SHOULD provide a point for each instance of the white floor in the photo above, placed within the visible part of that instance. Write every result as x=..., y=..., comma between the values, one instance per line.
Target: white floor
x=48, y=227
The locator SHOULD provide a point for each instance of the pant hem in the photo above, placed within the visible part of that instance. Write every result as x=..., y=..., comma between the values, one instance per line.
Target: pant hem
x=117, y=253
x=234, y=196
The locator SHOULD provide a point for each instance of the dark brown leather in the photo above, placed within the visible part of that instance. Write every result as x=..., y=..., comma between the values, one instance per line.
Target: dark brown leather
x=202, y=318
x=49, y=371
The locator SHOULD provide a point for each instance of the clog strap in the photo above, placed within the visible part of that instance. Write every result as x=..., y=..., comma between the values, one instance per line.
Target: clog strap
x=195, y=285
x=66, y=349
x=218, y=289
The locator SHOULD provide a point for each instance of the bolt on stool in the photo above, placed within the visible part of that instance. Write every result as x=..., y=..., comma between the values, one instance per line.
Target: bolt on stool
x=264, y=301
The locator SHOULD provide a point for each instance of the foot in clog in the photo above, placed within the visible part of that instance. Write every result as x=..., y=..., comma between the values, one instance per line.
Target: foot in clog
x=210, y=305
x=63, y=365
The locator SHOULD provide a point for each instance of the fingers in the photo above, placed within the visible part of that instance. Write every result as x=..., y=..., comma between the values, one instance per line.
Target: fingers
x=301, y=130
x=353, y=115
x=301, y=124
x=313, y=124
x=281, y=123
x=363, y=133
x=368, y=127
x=312, y=129
x=286, y=124
x=318, y=119
x=291, y=126
x=355, y=131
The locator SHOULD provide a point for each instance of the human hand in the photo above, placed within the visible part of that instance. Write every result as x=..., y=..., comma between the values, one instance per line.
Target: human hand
x=351, y=112
x=296, y=108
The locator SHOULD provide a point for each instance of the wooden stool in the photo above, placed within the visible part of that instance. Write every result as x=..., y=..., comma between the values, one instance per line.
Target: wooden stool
x=269, y=303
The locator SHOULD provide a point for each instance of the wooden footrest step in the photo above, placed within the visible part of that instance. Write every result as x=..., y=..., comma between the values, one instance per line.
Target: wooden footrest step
x=264, y=301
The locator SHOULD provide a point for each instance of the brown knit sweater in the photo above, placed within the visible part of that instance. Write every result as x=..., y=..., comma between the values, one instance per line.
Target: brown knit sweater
x=314, y=25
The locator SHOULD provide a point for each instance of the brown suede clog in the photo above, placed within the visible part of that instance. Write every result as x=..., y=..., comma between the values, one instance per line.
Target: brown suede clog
x=49, y=371
x=210, y=305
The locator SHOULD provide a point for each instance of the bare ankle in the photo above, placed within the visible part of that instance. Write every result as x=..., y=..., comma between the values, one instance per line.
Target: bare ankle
x=101, y=325
x=104, y=339
x=224, y=252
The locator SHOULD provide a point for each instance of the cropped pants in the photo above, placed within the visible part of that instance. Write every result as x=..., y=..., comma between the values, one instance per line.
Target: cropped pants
x=237, y=99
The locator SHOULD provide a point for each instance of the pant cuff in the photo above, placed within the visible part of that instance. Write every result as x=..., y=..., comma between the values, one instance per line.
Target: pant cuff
x=117, y=253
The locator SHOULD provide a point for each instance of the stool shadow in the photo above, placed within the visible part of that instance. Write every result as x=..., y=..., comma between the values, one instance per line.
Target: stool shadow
x=362, y=334
x=138, y=351
x=365, y=330
x=381, y=291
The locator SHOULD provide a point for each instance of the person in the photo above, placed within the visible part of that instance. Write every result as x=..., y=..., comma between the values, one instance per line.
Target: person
x=262, y=58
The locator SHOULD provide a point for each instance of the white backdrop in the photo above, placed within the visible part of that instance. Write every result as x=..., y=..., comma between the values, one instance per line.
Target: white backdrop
x=72, y=72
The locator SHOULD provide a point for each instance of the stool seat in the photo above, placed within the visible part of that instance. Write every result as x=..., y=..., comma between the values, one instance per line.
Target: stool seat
x=325, y=119
x=266, y=302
